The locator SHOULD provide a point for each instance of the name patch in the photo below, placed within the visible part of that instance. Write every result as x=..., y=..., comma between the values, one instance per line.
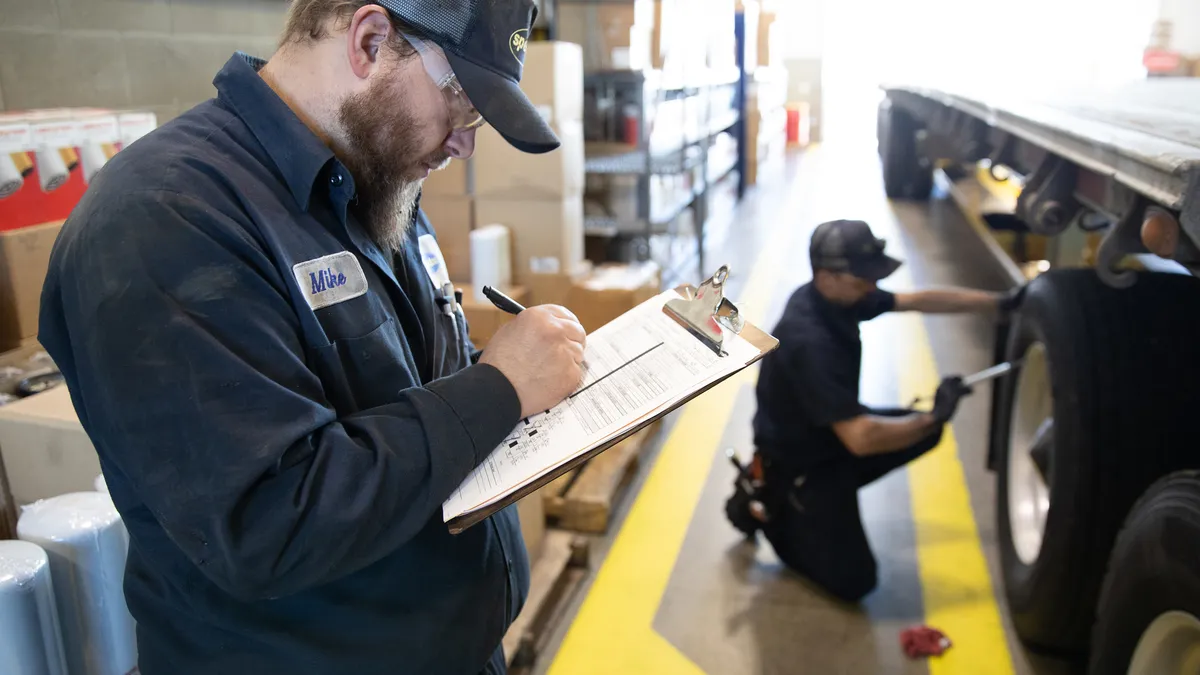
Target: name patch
x=329, y=280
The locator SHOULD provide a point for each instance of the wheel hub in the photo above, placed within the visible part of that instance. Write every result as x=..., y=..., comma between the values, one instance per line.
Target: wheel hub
x=1169, y=646
x=1030, y=455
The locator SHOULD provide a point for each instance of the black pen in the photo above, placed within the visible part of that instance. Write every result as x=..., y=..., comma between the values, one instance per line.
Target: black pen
x=502, y=301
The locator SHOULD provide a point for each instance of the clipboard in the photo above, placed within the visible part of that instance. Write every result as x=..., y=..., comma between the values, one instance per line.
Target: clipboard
x=707, y=314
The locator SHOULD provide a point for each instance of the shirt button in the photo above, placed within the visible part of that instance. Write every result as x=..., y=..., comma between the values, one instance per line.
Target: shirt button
x=336, y=180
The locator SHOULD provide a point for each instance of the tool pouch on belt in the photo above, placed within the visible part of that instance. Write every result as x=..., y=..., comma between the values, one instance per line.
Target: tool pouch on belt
x=777, y=482
x=741, y=507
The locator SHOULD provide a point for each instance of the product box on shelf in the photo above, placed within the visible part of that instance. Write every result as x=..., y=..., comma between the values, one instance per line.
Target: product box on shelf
x=48, y=158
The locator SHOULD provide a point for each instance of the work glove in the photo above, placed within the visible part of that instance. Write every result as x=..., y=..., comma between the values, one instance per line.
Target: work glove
x=1010, y=300
x=949, y=394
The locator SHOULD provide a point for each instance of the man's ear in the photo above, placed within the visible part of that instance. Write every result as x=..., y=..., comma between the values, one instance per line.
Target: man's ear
x=369, y=30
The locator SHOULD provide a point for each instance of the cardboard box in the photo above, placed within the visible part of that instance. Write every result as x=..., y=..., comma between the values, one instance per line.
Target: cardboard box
x=24, y=259
x=483, y=319
x=555, y=288
x=553, y=80
x=452, y=218
x=612, y=290
x=770, y=52
x=456, y=180
x=46, y=451
x=547, y=234
x=607, y=31
x=532, y=512
x=503, y=171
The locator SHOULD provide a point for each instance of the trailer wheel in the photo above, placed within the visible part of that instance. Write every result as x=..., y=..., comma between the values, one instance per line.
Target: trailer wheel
x=1146, y=623
x=906, y=174
x=1094, y=415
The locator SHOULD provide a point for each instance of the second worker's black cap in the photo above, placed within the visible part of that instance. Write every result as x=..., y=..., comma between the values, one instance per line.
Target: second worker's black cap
x=484, y=41
x=850, y=246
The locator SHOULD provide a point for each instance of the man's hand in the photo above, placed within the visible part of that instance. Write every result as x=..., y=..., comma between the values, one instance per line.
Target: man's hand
x=541, y=354
x=949, y=394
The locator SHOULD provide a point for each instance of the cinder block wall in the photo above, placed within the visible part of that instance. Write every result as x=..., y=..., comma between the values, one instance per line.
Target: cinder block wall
x=159, y=55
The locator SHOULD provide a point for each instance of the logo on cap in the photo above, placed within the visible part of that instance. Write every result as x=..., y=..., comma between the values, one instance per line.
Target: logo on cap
x=517, y=42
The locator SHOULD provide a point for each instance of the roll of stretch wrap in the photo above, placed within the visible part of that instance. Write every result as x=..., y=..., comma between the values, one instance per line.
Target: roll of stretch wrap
x=87, y=544
x=30, y=641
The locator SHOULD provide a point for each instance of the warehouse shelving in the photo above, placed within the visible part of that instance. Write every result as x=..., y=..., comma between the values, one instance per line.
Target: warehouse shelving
x=613, y=93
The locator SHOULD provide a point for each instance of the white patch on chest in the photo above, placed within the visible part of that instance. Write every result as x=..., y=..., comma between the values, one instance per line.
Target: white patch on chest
x=435, y=264
x=330, y=279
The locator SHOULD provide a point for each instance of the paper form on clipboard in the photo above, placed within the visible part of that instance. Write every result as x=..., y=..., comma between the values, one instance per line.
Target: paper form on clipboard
x=639, y=367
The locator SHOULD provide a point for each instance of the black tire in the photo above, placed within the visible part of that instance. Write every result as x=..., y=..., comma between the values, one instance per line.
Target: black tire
x=1123, y=368
x=1153, y=571
x=906, y=174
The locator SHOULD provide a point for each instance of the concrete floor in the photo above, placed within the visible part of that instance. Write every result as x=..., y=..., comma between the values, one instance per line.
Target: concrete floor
x=729, y=607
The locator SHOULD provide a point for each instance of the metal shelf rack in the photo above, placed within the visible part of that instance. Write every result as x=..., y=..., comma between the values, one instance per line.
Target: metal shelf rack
x=609, y=95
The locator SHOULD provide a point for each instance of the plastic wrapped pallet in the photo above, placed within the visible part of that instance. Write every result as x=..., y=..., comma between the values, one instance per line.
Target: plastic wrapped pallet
x=30, y=638
x=86, y=543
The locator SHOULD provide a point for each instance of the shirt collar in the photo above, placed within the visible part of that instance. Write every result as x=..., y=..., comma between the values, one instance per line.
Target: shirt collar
x=297, y=152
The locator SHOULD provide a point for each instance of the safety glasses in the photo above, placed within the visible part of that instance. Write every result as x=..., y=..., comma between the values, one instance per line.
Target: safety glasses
x=463, y=115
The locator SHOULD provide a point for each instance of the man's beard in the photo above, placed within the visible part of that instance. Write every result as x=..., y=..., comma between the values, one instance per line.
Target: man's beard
x=382, y=142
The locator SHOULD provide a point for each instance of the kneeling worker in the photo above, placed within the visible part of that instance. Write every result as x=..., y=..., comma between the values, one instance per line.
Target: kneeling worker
x=817, y=444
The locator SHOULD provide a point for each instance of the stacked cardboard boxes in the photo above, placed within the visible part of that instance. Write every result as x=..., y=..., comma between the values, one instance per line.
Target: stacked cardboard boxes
x=447, y=200
x=539, y=198
x=611, y=290
x=483, y=318
x=620, y=35
x=46, y=451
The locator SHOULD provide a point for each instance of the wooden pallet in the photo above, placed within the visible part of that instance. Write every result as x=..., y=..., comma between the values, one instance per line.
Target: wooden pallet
x=556, y=575
x=584, y=500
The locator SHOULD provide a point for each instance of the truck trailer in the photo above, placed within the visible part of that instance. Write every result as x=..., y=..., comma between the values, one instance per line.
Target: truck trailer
x=1092, y=440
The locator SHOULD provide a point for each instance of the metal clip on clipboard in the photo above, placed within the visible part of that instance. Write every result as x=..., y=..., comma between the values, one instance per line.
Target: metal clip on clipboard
x=706, y=312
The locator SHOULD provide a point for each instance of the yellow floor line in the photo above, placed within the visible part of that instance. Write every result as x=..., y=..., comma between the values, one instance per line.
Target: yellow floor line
x=955, y=583
x=614, y=632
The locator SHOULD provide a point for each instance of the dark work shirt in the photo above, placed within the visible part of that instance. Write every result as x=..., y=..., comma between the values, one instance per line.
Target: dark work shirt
x=279, y=407
x=811, y=381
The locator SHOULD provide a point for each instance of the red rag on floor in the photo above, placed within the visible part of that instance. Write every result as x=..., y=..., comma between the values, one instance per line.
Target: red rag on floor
x=923, y=641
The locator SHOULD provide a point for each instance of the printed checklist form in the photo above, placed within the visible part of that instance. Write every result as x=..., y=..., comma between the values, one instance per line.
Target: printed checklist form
x=640, y=367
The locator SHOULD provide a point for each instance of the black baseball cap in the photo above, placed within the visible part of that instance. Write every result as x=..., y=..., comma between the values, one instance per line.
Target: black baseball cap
x=484, y=41
x=850, y=246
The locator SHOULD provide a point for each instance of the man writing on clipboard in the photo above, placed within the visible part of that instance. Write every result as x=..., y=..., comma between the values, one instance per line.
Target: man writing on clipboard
x=817, y=444
x=251, y=315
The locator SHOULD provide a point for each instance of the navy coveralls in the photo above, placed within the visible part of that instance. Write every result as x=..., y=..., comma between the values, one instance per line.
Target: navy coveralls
x=279, y=407
x=811, y=478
